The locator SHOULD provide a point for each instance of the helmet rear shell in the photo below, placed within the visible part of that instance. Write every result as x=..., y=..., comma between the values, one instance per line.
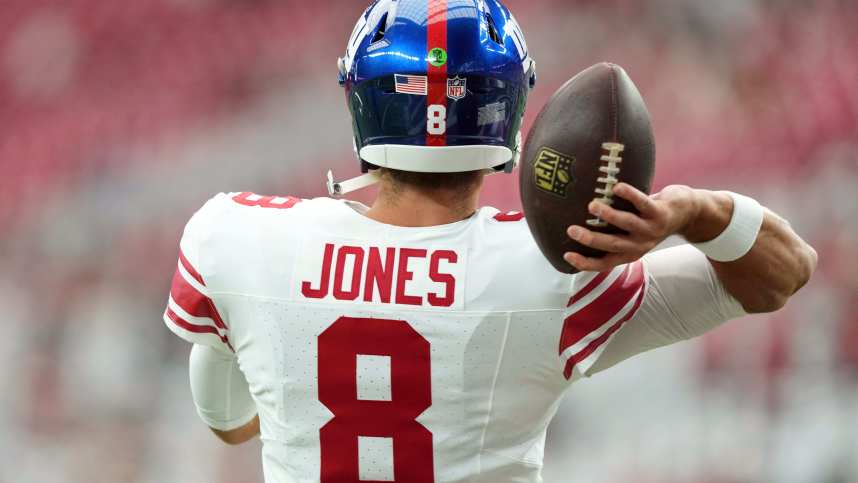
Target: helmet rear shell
x=459, y=77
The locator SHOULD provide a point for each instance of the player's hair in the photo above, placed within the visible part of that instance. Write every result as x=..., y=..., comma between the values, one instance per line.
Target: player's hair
x=462, y=182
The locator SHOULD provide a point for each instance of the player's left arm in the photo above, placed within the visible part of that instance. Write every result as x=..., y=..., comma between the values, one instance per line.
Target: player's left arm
x=778, y=264
x=222, y=396
x=219, y=388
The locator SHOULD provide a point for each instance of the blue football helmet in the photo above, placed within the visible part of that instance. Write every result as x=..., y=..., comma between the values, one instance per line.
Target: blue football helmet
x=436, y=86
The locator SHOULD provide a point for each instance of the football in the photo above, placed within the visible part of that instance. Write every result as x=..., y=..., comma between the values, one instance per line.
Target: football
x=593, y=133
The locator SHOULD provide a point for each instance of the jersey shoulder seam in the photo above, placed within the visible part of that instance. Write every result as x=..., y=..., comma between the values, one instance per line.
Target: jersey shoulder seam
x=385, y=306
x=509, y=458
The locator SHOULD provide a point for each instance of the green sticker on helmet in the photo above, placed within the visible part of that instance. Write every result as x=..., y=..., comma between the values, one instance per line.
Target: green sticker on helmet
x=437, y=57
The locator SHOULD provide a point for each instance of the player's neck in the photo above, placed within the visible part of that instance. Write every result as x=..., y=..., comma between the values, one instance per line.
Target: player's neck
x=415, y=208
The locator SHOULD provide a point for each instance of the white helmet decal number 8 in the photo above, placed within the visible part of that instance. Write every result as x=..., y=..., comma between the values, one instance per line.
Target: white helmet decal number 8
x=436, y=123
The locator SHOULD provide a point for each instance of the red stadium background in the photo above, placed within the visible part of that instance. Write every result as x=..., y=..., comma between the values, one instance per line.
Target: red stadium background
x=119, y=119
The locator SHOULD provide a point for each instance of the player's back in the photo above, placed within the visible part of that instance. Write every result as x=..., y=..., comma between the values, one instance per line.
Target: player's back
x=384, y=353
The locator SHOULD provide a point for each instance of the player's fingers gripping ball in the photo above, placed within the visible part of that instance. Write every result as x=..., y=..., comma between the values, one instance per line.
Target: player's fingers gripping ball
x=659, y=216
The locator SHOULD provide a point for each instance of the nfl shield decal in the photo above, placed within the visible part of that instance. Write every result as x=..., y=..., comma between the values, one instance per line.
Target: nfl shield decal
x=457, y=88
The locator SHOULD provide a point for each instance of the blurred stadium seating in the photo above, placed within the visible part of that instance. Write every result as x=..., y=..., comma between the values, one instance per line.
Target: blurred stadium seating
x=119, y=119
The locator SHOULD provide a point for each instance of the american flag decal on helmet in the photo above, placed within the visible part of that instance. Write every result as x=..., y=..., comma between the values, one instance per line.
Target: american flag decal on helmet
x=412, y=84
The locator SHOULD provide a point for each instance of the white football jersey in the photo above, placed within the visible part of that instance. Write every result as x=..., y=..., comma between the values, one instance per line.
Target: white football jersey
x=383, y=353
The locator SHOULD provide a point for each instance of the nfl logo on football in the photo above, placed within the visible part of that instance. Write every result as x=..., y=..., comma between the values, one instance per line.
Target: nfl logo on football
x=457, y=88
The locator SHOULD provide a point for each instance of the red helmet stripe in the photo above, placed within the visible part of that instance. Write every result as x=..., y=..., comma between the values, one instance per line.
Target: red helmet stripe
x=437, y=39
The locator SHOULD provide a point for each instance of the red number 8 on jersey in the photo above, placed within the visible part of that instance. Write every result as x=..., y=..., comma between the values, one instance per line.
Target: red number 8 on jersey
x=411, y=395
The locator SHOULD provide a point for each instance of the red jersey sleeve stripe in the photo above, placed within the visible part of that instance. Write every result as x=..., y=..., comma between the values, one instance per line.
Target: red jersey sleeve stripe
x=190, y=298
x=593, y=346
x=604, y=307
x=196, y=329
x=190, y=268
x=193, y=301
x=588, y=288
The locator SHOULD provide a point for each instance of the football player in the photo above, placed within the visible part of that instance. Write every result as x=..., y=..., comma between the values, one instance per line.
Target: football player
x=424, y=339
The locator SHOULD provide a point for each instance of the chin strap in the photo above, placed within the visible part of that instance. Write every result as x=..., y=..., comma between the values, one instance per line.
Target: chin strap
x=344, y=187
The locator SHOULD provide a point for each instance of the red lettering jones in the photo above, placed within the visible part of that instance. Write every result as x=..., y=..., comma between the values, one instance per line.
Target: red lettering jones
x=448, y=280
x=405, y=276
x=322, y=291
x=378, y=276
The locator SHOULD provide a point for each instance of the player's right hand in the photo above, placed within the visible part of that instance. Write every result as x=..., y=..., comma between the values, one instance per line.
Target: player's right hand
x=660, y=216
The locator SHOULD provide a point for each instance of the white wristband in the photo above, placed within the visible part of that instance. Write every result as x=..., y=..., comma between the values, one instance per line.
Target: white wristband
x=739, y=236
